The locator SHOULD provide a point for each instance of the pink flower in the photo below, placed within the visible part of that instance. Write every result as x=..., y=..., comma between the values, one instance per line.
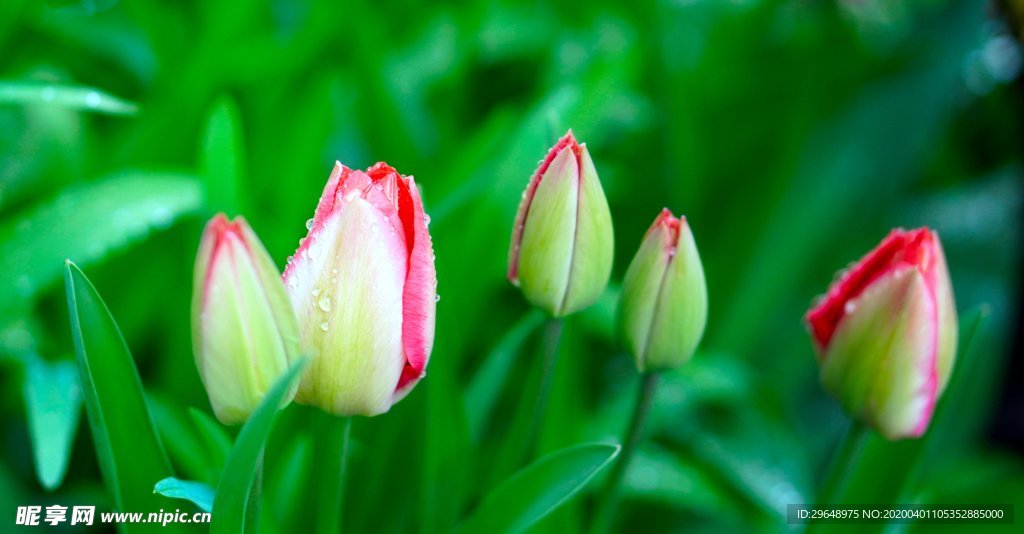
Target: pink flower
x=364, y=288
x=886, y=333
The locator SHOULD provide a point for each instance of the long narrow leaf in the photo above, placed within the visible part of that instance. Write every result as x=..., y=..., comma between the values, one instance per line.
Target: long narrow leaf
x=539, y=489
x=131, y=456
x=53, y=399
x=231, y=503
x=86, y=223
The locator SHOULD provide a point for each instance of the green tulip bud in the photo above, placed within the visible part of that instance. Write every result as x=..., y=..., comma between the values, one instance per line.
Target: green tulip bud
x=562, y=243
x=664, y=304
x=244, y=331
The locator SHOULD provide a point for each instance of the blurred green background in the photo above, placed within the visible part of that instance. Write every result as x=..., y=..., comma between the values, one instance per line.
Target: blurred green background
x=792, y=134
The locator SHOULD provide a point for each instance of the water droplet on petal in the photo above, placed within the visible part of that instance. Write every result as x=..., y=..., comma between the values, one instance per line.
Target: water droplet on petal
x=323, y=326
x=309, y=224
x=437, y=297
x=325, y=302
x=426, y=219
x=316, y=291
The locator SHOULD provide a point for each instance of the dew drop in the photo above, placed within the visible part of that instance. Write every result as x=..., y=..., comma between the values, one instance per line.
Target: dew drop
x=309, y=224
x=312, y=252
x=374, y=228
x=426, y=219
x=325, y=302
x=323, y=326
x=291, y=259
x=437, y=297
x=316, y=291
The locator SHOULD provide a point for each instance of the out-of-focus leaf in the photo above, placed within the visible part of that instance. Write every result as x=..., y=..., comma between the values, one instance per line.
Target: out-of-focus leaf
x=53, y=398
x=183, y=444
x=486, y=386
x=66, y=96
x=215, y=439
x=287, y=485
x=222, y=157
x=130, y=455
x=658, y=476
x=538, y=489
x=232, y=513
x=86, y=223
x=198, y=493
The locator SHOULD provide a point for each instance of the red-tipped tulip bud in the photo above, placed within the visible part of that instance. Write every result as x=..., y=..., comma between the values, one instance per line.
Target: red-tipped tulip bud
x=364, y=288
x=886, y=333
x=244, y=332
x=664, y=303
x=561, y=253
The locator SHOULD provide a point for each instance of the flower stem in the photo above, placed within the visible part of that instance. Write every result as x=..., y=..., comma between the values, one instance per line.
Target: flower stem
x=331, y=448
x=608, y=499
x=549, y=348
x=845, y=457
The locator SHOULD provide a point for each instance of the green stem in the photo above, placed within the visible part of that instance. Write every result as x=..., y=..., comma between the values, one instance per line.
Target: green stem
x=549, y=348
x=839, y=470
x=608, y=499
x=331, y=449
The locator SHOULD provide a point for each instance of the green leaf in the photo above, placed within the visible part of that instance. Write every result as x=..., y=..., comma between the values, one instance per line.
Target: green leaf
x=53, y=398
x=231, y=503
x=222, y=157
x=482, y=393
x=86, y=223
x=130, y=454
x=215, y=439
x=539, y=489
x=65, y=96
x=198, y=493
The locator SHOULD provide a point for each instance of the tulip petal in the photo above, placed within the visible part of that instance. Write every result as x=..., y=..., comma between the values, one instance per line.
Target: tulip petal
x=419, y=300
x=524, y=205
x=347, y=289
x=642, y=285
x=682, y=305
x=547, y=241
x=593, y=246
x=880, y=362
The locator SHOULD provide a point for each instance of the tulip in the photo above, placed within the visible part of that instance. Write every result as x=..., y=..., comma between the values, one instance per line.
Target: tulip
x=364, y=288
x=885, y=333
x=244, y=332
x=664, y=303
x=561, y=252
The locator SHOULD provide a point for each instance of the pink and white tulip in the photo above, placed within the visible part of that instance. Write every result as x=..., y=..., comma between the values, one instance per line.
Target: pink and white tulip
x=886, y=333
x=364, y=288
x=244, y=332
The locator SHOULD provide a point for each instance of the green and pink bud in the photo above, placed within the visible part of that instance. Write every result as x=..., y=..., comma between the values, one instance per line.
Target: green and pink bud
x=886, y=333
x=364, y=288
x=244, y=332
x=562, y=243
x=664, y=303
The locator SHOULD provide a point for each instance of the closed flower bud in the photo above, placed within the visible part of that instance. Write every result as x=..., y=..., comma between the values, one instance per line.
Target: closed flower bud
x=244, y=331
x=561, y=253
x=886, y=333
x=664, y=303
x=364, y=288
